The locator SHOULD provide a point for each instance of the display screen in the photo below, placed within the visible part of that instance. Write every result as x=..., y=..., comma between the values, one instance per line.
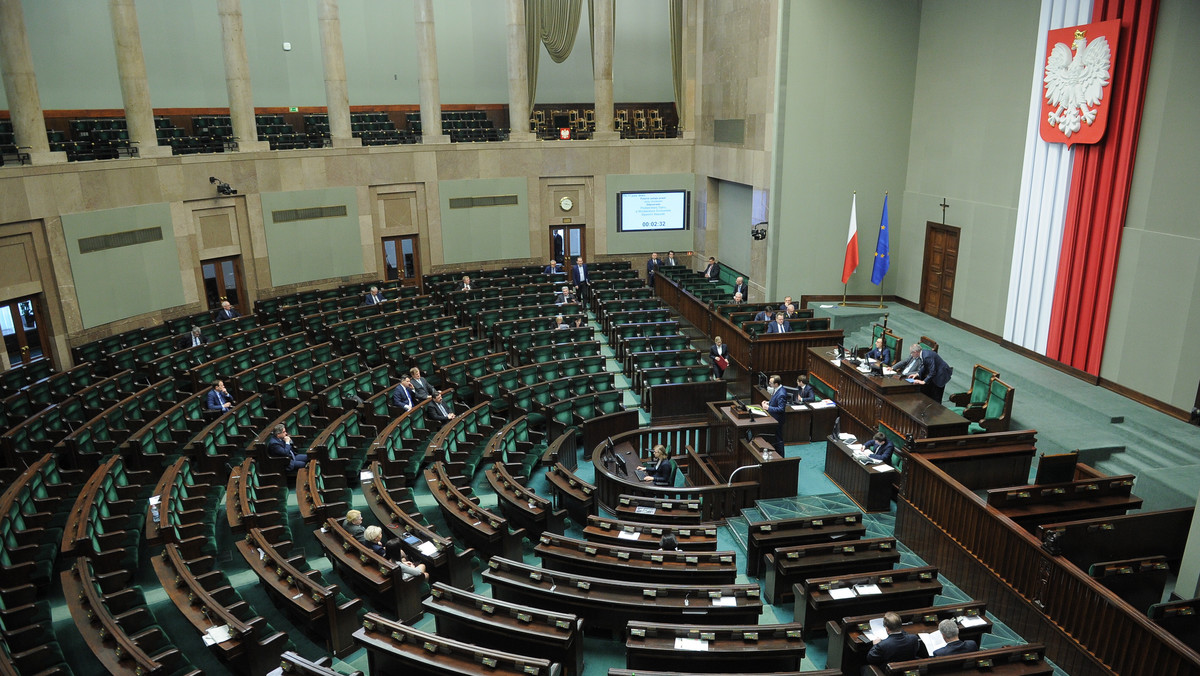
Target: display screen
x=652, y=211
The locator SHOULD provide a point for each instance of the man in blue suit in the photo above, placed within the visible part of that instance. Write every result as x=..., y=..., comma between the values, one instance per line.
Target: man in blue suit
x=934, y=373
x=403, y=397
x=373, y=297
x=899, y=645
x=280, y=446
x=954, y=645
x=776, y=406
x=779, y=325
x=652, y=266
x=218, y=398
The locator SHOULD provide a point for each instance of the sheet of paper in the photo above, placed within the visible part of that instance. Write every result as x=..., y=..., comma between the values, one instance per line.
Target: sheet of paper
x=217, y=634
x=883, y=467
x=877, y=631
x=855, y=447
x=757, y=410
x=933, y=641
x=976, y=621
x=427, y=548
x=626, y=535
x=645, y=510
x=865, y=589
x=725, y=601
x=842, y=593
x=690, y=644
x=155, y=499
x=365, y=476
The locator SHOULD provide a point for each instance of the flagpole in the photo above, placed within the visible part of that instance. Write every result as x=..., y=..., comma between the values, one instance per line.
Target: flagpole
x=845, y=303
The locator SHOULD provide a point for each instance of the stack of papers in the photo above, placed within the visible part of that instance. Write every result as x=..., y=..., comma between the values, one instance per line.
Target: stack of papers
x=842, y=593
x=933, y=641
x=217, y=635
x=865, y=589
x=690, y=644
x=626, y=535
x=824, y=403
x=883, y=467
x=427, y=548
x=644, y=510
x=876, y=632
x=756, y=410
x=964, y=621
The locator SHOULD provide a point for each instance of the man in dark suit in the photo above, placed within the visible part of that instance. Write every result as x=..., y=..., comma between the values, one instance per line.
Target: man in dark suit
x=954, y=645
x=880, y=352
x=765, y=316
x=192, y=339
x=565, y=296
x=739, y=299
x=280, y=446
x=465, y=284
x=879, y=447
x=897, y=647
x=403, y=397
x=227, y=312
x=218, y=398
x=651, y=268
x=776, y=407
x=779, y=325
x=787, y=300
x=553, y=268
x=438, y=410
x=373, y=297
x=712, y=272
x=670, y=259
x=579, y=277
x=804, y=392
x=934, y=373
x=739, y=286
x=420, y=387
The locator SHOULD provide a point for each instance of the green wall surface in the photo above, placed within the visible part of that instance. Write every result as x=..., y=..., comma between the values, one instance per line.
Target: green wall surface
x=844, y=124
x=76, y=65
x=647, y=242
x=967, y=145
x=1155, y=318
x=734, y=218
x=478, y=234
x=128, y=280
x=320, y=248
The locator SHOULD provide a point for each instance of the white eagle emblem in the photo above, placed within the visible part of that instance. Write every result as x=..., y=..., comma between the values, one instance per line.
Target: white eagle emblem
x=1076, y=83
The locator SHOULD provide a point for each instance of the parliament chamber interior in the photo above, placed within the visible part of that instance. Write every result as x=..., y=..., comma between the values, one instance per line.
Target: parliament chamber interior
x=543, y=358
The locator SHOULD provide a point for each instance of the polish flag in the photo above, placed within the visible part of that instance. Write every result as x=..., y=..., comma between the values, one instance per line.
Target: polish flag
x=851, y=262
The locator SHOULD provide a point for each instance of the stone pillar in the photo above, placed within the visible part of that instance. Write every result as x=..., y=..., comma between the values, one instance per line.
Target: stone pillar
x=237, y=77
x=135, y=90
x=431, y=101
x=602, y=59
x=337, y=100
x=518, y=74
x=20, y=86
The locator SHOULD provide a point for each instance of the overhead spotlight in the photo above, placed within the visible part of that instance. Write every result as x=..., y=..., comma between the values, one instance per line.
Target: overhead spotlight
x=758, y=231
x=222, y=187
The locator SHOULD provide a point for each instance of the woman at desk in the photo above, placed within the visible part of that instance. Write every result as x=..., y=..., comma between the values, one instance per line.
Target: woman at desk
x=880, y=352
x=879, y=447
x=659, y=471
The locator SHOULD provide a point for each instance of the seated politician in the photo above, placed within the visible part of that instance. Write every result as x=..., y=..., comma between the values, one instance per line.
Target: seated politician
x=766, y=315
x=565, y=296
x=779, y=325
x=658, y=469
x=373, y=538
x=954, y=645
x=373, y=297
x=880, y=352
x=899, y=646
x=403, y=397
x=353, y=524
x=279, y=445
x=191, y=339
x=227, y=311
x=804, y=392
x=879, y=447
x=554, y=268
x=421, y=388
x=438, y=410
x=218, y=398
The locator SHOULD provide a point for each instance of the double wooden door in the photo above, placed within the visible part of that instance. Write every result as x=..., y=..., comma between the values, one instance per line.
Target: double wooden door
x=941, y=262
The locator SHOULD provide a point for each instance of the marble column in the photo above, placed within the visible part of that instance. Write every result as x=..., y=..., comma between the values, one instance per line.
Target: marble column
x=602, y=59
x=337, y=99
x=518, y=74
x=20, y=86
x=135, y=90
x=431, y=102
x=237, y=77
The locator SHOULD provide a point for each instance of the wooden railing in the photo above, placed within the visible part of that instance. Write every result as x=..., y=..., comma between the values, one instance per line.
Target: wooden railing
x=1086, y=628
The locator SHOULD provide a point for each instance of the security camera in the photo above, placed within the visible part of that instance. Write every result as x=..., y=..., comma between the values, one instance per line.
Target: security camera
x=222, y=187
x=758, y=231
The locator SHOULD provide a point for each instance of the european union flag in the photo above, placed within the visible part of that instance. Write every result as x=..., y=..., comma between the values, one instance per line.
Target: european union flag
x=881, y=248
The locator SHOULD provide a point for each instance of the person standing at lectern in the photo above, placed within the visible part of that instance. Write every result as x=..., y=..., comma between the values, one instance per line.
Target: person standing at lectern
x=776, y=407
x=934, y=373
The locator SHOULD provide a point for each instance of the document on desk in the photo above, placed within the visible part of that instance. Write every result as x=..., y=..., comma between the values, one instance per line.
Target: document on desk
x=644, y=510
x=972, y=621
x=824, y=403
x=933, y=641
x=877, y=632
x=867, y=589
x=725, y=601
x=756, y=410
x=218, y=634
x=883, y=467
x=842, y=593
x=682, y=643
x=427, y=548
x=629, y=535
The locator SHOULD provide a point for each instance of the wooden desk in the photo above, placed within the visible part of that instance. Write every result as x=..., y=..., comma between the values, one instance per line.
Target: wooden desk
x=899, y=589
x=848, y=644
x=635, y=563
x=764, y=537
x=747, y=648
x=868, y=486
x=1017, y=660
x=659, y=510
x=788, y=565
x=699, y=538
x=394, y=648
x=726, y=430
x=866, y=400
x=777, y=477
x=801, y=422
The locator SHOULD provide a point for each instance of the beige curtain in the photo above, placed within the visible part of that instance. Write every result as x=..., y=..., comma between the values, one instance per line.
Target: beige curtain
x=553, y=23
x=677, y=56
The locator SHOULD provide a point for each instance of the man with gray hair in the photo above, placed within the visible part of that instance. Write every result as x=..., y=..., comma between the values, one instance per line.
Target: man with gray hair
x=954, y=645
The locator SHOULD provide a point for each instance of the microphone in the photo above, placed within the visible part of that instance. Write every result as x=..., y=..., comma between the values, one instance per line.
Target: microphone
x=926, y=409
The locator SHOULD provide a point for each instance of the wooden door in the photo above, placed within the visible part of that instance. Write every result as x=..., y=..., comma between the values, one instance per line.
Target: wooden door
x=223, y=281
x=941, y=263
x=402, y=260
x=25, y=336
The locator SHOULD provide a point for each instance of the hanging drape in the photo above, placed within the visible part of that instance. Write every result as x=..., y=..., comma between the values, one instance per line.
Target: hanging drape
x=553, y=23
x=677, y=56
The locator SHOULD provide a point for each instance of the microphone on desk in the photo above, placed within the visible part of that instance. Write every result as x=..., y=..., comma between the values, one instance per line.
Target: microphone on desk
x=926, y=409
x=730, y=483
